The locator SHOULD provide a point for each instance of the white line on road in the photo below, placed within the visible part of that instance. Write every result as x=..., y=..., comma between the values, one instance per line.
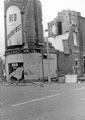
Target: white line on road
x=35, y=100
x=77, y=89
x=82, y=99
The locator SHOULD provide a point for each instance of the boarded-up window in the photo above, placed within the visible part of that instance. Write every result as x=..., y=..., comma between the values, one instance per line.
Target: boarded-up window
x=75, y=39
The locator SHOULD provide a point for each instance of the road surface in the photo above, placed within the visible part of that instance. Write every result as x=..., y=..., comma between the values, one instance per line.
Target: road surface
x=51, y=102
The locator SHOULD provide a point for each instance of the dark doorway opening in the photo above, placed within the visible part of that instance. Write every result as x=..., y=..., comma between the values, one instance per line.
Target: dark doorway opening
x=84, y=65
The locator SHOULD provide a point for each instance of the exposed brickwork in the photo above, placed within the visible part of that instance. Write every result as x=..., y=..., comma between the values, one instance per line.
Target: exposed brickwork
x=29, y=27
x=82, y=41
x=69, y=21
x=66, y=62
x=33, y=22
x=1, y=67
x=38, y=20
x=67, y=18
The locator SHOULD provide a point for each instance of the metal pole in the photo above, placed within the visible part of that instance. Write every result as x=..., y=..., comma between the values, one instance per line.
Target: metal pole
x=49, y=79
x=42, y=69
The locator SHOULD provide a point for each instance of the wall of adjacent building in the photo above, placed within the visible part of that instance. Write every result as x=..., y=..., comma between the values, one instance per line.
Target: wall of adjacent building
x=67, y=56
x=82, y=41
x=1, y=67
x=68, y=61
x=65, y=63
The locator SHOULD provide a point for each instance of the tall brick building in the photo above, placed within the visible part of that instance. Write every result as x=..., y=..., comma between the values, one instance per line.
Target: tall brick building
x=25, y=58
x=23, y=32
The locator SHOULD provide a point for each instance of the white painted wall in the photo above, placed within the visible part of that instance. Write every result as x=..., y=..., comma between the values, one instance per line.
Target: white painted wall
x=57, y=42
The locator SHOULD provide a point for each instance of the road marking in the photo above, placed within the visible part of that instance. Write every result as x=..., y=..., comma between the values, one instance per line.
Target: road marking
x=79, y=89
x=82, y=99
x=35, y=100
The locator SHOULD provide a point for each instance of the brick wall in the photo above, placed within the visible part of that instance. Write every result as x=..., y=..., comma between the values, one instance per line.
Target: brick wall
x=33, y=21
x=29, y=23
x=82, y=40
x=38, y=20
x=65, y=63
x=31, y=14
x=67, y=18
x=82, y=32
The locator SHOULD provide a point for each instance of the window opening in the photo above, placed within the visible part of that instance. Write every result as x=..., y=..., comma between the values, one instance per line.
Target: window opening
x=59, y=28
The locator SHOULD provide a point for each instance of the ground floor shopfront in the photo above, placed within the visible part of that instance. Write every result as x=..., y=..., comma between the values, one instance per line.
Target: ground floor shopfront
x=30, y=66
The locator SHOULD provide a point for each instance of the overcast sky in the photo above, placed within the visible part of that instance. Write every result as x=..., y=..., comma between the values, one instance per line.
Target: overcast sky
x=50, y=8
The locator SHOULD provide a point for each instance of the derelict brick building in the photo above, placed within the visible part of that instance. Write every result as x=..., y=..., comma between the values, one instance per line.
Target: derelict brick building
x=23, y=32
x=23, y=29
x=65, y=29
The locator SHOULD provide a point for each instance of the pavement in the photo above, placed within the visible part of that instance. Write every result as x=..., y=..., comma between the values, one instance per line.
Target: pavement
x=50, y=102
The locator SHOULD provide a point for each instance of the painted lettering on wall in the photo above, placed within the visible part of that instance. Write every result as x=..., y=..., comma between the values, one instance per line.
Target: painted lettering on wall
x=12, y=17
x=15, y=30
x=14, y=26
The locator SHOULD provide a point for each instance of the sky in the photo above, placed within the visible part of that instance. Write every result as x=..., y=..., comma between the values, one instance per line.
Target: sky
x=50, y=9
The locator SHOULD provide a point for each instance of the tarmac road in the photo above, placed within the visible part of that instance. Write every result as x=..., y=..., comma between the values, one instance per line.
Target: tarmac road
x=51, y=102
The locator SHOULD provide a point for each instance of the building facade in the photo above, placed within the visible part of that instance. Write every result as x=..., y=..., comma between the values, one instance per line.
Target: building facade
x=67, y=22
x=24, y=54
x=23, y=29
